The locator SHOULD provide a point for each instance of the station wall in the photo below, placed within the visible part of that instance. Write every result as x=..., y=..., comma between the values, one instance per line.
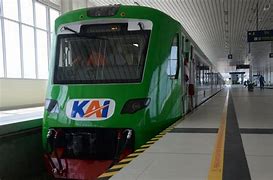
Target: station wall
x=20, y=93
x=21, y=151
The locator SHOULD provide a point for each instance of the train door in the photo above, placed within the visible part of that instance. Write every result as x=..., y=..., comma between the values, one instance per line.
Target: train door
x=192, y=80
x=186, y=75
x=183, y=78
x=173, y=71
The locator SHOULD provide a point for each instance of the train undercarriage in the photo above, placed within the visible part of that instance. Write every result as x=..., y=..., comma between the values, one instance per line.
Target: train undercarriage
x=85, y=153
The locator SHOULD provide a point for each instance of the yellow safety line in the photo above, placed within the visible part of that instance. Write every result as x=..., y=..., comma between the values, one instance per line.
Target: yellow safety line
x=118, y=166
x=108, y=174
x=217, y=160
x=136, y=153
x=145, y=146
x=133, y=154
x=159, y=136
x=126, y=160
x=139, y=150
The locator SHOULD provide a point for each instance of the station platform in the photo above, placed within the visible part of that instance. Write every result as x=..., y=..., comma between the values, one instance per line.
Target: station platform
x=20, y=144
x=20, y=115
x=228, y=137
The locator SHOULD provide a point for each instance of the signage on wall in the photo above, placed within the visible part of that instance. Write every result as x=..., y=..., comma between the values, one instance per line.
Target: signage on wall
x=236, y=72
x=203, y=67
x=257, y=36
x=242, y=66
x=230, y=56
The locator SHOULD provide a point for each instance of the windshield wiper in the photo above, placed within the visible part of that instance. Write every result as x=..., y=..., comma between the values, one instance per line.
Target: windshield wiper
x=64, y=28
x=71, y=30
x=141, y=26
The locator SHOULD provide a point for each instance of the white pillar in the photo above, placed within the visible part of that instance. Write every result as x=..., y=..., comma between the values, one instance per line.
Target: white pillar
x=250, y=73
x=270, y=74
x=78, y=4
x=66, y=5
x=69, y=5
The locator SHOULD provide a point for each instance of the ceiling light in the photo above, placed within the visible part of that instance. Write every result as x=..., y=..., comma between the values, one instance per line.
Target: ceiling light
x=267, y=6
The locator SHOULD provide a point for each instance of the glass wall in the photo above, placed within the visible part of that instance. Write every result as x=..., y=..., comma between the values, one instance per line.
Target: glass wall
x=25, y=31
x=1, y=54
x=28, y=52
x=12, y=49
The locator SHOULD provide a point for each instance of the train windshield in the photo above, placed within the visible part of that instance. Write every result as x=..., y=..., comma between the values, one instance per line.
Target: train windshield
x=101, y=57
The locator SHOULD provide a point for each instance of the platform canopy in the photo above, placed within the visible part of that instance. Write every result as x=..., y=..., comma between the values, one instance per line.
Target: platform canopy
x=219, y=27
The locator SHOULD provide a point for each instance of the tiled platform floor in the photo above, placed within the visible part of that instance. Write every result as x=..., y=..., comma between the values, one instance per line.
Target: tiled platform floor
x=187, y=156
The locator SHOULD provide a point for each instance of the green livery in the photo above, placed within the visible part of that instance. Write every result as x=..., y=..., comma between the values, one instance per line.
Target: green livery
x=164, y=91
x=118, y=76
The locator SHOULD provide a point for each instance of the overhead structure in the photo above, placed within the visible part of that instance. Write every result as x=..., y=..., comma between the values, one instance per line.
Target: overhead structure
x=219, y=27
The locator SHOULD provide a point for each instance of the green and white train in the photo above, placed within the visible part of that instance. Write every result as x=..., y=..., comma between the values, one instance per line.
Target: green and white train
x=118, y=76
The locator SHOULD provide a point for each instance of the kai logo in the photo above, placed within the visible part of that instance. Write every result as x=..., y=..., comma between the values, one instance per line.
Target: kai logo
x=90, y=109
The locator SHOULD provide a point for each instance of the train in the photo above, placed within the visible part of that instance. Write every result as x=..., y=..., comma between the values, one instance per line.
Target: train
x=119, y=74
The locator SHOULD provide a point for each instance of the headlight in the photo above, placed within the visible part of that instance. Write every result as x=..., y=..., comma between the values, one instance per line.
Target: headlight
x=134, y=105
x=52, y=106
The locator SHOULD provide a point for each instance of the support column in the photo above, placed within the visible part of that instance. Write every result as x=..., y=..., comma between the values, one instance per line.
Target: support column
x=66, y=5
x=78, y=4
x=270, y=78
x=266, y=74
x=250, y=73
x=69, y=5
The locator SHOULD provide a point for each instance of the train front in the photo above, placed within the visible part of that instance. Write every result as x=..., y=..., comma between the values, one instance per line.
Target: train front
x=96, y=97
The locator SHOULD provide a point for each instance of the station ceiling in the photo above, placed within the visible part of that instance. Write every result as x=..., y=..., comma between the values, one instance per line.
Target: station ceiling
x=219, y=27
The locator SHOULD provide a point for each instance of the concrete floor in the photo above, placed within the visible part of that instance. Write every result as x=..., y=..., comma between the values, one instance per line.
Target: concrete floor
x=255, y=110
x=187, y=156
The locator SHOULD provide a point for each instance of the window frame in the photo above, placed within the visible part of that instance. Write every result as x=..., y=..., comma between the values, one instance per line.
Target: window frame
x=18, y=38
x=57, y=56
x=34, y=26
x=32, y=44
x=176, y=75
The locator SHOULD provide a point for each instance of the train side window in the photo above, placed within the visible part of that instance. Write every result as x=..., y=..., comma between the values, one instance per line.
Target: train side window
x=182, y=48
x=173, y=64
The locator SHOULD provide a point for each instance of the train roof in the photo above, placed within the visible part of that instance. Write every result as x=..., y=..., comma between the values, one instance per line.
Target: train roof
x=112, y=11
x=122, y=11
